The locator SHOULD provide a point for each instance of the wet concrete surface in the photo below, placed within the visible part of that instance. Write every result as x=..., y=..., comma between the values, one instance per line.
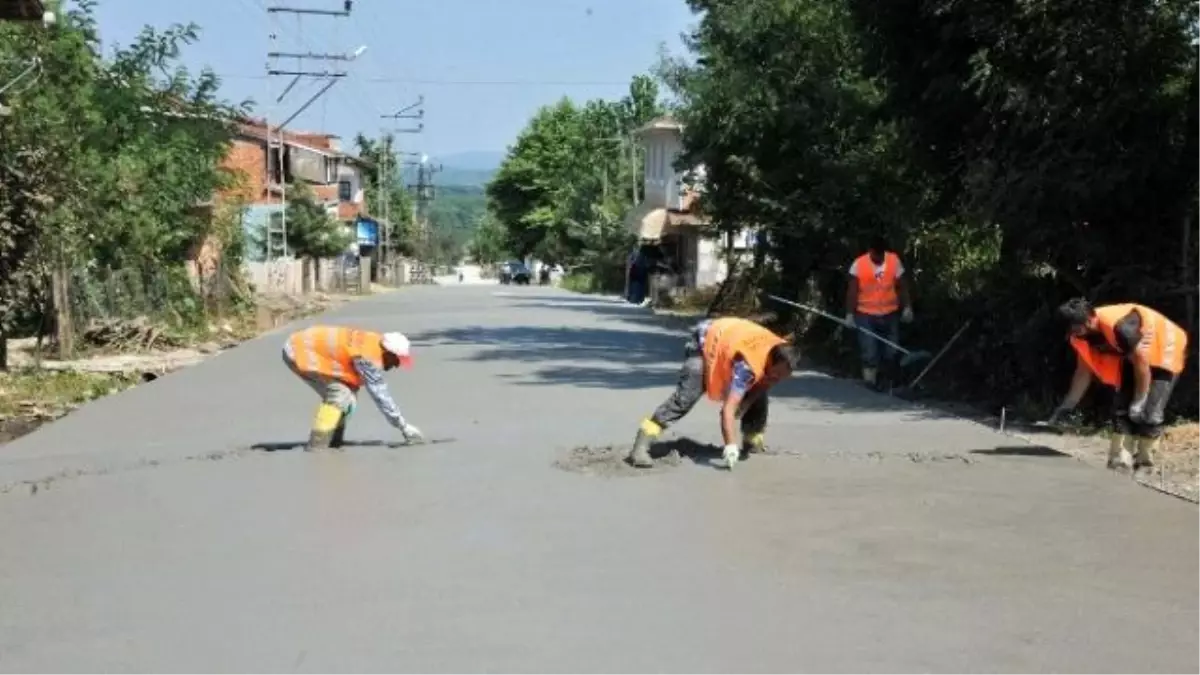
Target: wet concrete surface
x=873, y=537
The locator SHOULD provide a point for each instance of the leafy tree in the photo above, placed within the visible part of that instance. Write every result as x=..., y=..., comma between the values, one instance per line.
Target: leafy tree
x=1017, y=154
x=559, y=194
x=387, y=165
x=116, y=154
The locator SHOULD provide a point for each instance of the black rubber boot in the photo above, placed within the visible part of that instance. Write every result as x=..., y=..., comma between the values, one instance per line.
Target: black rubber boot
x=339, y=435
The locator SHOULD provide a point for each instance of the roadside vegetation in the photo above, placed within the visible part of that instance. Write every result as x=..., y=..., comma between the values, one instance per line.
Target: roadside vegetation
x=111, y=187
x=1015, y=155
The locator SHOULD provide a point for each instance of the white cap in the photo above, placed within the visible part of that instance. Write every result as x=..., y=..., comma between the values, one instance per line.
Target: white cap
x=397, y=344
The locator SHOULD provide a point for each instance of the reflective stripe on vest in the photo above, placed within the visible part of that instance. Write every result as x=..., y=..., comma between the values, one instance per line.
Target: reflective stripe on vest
x=877, y=295
x=1163, y=342
x=728, y=337
x=329, y=351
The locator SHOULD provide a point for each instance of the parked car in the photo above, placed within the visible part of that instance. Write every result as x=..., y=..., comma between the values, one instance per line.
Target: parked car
x=515, y=273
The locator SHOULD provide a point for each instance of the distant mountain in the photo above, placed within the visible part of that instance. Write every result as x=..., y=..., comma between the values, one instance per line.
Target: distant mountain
x=470, y=169
x=475, y=160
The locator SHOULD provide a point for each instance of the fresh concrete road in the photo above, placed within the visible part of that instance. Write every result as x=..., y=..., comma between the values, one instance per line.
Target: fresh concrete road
x=878, y=538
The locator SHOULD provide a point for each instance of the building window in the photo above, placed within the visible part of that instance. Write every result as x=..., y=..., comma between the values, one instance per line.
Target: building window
x=344, y=192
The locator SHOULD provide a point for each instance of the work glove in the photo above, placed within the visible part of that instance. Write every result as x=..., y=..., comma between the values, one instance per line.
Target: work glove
x=411, y=433
x=731, y=454
x=849, y=320
x=1137, y=411
x=1056, y=416
x=907, y=315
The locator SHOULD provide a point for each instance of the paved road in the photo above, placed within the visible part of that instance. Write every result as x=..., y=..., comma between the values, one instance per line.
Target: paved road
x=879, y=539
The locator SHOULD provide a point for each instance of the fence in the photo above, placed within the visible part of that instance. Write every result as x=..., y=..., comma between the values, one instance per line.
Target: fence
x=296, y=277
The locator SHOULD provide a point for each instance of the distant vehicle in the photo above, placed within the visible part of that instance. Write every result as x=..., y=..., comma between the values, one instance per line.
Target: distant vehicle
x=515, y=272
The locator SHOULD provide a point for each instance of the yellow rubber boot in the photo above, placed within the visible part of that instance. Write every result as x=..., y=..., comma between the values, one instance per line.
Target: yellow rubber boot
x=1147, y=449
x=755, y=443
x=1119, y=457
x=639, y=456
x=324, y=426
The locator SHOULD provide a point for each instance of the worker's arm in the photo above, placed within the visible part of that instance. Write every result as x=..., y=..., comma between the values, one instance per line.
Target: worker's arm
x=851, y=293
x=741, y=384
x=1133, y=340
x=1080, y=382
x=902, y=289
x=372, y=377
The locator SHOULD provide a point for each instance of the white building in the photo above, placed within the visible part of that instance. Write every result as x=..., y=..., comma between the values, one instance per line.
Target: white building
x=668, y=216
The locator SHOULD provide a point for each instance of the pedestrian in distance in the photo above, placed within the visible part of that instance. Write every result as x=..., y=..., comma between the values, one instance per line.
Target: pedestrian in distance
x=336, y=361
x=877, y=299
x=1137, y=354
x=731, y=360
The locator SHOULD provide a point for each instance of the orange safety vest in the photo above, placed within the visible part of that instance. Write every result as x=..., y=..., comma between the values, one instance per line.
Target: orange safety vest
x=1164, y=342
x=329, y=351
x=729, y=337
x=877, y=296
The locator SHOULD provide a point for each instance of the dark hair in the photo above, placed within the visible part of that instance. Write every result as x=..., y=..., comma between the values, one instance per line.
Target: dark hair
x=1075, y=312
x=878, y=244
x=785, y=353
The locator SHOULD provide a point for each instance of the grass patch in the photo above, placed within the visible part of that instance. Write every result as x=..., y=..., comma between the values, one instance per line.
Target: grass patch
x=48, y=394
x=579, y=282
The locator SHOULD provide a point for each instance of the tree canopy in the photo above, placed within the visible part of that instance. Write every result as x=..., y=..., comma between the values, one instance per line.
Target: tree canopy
x=563, y=187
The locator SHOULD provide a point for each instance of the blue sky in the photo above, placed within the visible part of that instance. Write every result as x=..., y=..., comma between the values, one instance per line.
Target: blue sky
x=484, y=66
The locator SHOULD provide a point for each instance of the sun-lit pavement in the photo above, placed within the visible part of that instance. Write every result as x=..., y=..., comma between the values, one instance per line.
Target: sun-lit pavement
x=878, y=538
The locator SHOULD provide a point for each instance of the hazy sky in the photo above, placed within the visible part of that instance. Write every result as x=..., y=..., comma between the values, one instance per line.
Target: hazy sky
x=483, y=65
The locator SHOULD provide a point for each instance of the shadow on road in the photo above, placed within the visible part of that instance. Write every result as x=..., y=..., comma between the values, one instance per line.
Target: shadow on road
x=1021, y=451
x=286, y=446
x=584, y=357
x=625, y=358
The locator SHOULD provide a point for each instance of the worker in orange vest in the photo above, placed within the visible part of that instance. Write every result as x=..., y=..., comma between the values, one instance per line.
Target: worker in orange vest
x=1138, y=354
x=877, y=299
x=734, y=361
x=336, y=361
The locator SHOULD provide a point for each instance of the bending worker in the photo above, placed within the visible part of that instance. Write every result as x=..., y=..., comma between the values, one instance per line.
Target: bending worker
x=875, y=293
x=1138, y=354
x=734, y=361
x=336, y=361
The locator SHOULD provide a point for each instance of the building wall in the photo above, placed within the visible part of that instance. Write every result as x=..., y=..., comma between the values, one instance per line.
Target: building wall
x=248, y=158
x=253, y=221
x=662, y=182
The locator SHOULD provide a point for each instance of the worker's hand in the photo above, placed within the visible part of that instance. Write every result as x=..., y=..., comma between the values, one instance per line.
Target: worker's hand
x=731, y=454
x=411, y=433
x=1056, y=416
x=907, y=315
x=849, y=320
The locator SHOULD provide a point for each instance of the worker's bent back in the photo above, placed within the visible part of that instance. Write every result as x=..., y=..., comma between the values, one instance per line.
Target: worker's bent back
x=329, y=351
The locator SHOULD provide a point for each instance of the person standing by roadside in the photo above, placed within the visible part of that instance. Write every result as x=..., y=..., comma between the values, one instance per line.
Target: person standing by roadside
x=877, y=299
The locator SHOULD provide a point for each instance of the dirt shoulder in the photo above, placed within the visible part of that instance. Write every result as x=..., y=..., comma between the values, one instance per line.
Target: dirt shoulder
x=117, y=355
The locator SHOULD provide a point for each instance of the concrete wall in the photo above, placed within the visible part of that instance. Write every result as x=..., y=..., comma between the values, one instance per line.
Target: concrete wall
x=287, y=276
x=662, y=183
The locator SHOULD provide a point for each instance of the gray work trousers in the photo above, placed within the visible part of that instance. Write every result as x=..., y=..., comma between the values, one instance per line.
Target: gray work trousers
x=690, y=389
x=332, y=392
x=1162, y=385
x=873, y=352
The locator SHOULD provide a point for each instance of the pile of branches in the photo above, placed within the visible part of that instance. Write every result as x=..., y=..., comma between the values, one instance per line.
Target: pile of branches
x=138, y=334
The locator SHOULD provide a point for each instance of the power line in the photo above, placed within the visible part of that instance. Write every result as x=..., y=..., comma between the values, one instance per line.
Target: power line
x=463, y=83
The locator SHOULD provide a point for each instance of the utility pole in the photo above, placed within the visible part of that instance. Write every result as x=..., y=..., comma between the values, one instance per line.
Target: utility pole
x=277, y=229
x=423, y=192
x=389, y=162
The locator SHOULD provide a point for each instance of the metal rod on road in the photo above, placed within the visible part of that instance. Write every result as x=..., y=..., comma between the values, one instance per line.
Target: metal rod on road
x=827, y=315
x=945, y=349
